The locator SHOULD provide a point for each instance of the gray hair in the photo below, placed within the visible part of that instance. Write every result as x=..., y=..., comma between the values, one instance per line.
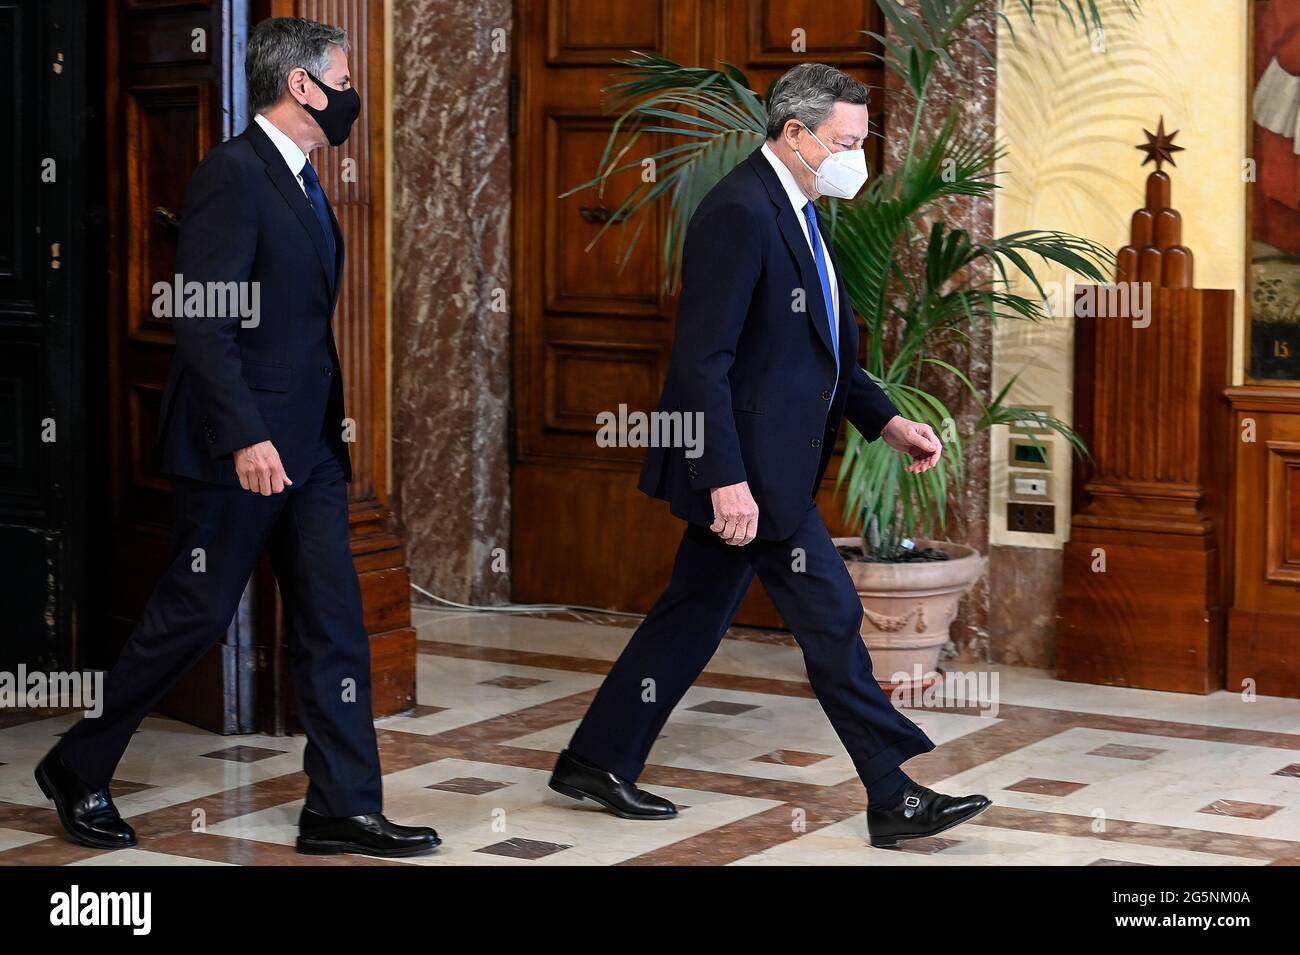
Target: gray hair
x=280, y=45
x=808, y=92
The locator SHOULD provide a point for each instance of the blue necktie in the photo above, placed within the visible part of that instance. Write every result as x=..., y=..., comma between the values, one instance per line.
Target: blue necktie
x=810, y=213
x=316, y=195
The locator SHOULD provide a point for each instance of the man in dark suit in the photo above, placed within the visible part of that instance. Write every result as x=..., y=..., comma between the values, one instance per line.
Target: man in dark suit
x=766, y=351
x=254, y=436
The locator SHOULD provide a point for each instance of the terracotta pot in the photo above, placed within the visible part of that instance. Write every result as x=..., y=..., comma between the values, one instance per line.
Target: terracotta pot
x=907, y=608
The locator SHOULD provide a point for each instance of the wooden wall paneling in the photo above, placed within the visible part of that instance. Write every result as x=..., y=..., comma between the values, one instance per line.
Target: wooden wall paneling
x=1154, y=500
x=1263, y=644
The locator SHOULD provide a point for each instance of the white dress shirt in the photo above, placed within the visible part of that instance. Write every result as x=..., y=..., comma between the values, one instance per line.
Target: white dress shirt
x=799, y=200
x=294, y=156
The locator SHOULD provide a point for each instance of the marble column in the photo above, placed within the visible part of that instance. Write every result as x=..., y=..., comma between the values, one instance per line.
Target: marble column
x=450, y=281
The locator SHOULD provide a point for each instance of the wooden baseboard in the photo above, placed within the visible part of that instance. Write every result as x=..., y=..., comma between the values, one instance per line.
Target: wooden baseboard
x=1262, y=653
x=1151, y=620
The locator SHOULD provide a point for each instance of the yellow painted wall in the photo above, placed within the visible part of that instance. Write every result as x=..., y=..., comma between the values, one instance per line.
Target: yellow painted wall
x=1071, y=109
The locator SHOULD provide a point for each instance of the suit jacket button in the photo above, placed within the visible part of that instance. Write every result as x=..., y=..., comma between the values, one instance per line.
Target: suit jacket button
x=327, y=371
x=815, y=442
x=826, y=396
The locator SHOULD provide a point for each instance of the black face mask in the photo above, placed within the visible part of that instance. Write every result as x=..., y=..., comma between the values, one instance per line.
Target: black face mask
x=342, y=107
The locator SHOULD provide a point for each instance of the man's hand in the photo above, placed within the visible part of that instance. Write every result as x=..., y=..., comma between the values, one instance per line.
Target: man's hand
x=915, y=439
x=260, y=470
x=735, y=515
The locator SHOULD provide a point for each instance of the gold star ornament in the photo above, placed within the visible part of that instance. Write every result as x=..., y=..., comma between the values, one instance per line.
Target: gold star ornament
x=1159, y=146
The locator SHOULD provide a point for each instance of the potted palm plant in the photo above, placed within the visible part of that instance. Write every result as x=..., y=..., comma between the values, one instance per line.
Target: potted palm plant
x=917, y=284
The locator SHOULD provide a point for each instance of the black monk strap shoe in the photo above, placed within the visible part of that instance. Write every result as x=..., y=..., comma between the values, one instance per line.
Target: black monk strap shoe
x=922, y=812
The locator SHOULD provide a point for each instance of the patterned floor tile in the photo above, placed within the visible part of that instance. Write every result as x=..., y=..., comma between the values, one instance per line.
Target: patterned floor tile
x=929, y=846
x=124, y=787
x=1045, y=787
x=1240, y=810
x=722, y=708
x=1105, y=862
x=523, y=849
x=243, y=754
x=1120, y=751
x=513, y=682
x=421, y=710
x=791, y=757
x=1080, y=774
x=469, y=785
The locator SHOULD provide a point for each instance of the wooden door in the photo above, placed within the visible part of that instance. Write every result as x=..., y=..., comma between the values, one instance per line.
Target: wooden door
x=174, y=89
x=589, y=337
x=49, y=270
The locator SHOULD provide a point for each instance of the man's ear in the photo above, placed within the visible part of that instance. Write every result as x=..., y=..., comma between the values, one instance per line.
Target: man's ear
x=298, y=82
x=791, y=132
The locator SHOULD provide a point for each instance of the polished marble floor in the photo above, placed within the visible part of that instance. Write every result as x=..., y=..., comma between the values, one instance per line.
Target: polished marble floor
x=1079, y=775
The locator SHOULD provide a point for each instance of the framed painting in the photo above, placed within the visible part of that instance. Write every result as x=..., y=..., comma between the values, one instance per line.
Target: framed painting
x=1273, y=242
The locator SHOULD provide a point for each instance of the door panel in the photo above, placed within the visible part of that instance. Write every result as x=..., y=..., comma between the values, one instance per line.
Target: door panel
x=49, y=242
x=589, y=335
x=168, y=100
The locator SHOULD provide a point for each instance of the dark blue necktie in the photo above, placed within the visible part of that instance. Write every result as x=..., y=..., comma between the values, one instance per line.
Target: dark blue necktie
x=316, y=195
x=810, y=213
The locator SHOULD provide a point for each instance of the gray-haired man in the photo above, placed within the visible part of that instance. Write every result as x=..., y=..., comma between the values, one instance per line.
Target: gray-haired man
x=252, y=434
x=772, y=381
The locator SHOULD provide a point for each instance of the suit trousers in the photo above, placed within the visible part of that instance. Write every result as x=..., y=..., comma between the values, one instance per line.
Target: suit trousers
x=218, y=533
x=807, y=580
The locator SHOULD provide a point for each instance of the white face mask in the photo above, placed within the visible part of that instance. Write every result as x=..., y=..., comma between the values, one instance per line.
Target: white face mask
x=841, y=174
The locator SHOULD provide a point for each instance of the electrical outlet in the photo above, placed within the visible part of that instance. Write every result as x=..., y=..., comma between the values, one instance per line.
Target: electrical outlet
x=1031, y=518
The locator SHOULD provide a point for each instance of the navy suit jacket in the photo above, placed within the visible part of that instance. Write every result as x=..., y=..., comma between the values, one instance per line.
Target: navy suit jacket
x=761, y=372
x=233, y=384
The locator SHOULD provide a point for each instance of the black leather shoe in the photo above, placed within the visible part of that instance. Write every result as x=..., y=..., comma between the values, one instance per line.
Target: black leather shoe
x=923, y=812
x=581, y=780
x=370, y=835
x=88, y=815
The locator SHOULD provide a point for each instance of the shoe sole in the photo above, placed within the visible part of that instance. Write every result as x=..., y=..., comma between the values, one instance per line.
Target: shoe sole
x=890, y=842
x=46, y=787
x=324, y=847
x=572, y=793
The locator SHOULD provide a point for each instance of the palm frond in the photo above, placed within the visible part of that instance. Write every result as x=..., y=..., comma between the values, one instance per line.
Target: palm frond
x=710, y=120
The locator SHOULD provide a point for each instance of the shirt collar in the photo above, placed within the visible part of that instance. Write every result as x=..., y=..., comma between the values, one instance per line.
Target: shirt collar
x=294, y=156
x=797, y=198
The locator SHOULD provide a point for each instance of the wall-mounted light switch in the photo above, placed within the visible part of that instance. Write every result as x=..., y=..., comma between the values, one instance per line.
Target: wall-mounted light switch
x=1029, y=487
